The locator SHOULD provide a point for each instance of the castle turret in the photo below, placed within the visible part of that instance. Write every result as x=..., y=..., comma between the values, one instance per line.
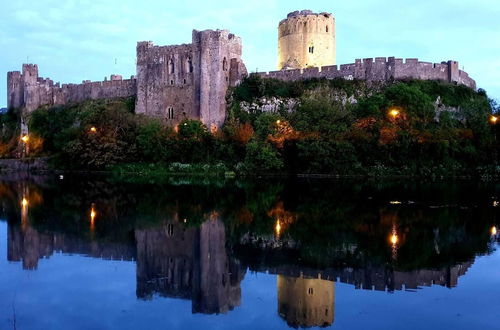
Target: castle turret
x=306, y=302
x=306, y=39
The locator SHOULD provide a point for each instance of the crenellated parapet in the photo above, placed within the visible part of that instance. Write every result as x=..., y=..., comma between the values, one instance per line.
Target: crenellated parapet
x=381, y=69
x=28, y=91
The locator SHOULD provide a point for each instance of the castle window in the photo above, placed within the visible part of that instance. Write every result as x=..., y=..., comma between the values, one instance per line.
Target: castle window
x=224, y=64
x=184, y=81
x=170, y=229
x=171, y=67
x=171, y=82
x=310, y=291
x=189, y=65
x=327, y=28
x=170, y=114
x=311, y=49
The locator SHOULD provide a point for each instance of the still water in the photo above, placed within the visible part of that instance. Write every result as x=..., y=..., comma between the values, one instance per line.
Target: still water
x=80, y=253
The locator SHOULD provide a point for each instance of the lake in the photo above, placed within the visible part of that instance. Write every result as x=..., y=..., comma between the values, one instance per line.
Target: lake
x=78, y=252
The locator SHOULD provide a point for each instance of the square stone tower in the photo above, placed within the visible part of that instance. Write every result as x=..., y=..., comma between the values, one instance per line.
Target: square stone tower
x=190, y=80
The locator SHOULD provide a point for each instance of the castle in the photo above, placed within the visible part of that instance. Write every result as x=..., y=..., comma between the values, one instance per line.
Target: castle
x=190, y=81
x=172, y=82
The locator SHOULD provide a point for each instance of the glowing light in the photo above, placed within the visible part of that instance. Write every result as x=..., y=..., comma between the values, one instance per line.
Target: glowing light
x=93, y=215
x=496, y=203
x=493, y=231
x=278, y=122
x=394, y=113
x=25, y=138
x=185, y=220
x=24, y=202
x=395, y=202
x=394, y=239
x=493, y=119
x=277, y=228
x=93, y=129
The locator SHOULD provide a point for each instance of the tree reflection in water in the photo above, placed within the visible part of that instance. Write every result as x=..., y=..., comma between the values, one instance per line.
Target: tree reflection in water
x=196, y=241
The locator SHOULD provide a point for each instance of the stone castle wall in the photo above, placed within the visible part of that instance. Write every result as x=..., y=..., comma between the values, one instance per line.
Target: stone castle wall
x=306, y=39
x=380, y=69
x=29, y=91
x=172, y=82
x=190, y=80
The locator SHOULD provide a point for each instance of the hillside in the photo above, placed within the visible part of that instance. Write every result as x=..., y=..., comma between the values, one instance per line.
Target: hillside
x=315, y=126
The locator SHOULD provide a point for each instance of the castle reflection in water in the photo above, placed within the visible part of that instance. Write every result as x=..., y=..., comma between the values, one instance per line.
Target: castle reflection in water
x=193, y=263
x=197, y=262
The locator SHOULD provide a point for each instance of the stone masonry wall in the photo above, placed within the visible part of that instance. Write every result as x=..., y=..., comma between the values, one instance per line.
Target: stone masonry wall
x=29, y=91
x=380, y=69
x=190, y=80
x=306, y=39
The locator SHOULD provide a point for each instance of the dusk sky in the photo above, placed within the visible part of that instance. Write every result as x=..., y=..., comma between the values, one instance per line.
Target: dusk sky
x=74, y=40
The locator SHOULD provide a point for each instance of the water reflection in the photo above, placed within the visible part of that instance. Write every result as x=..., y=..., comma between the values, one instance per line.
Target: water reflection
x=198, y=243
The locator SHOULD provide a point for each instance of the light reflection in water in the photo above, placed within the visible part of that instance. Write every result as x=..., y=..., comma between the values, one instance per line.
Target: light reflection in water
x=93, y=214
x=277, y=228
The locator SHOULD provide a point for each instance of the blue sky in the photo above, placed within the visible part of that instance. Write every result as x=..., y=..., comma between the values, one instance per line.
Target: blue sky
x=74, y=40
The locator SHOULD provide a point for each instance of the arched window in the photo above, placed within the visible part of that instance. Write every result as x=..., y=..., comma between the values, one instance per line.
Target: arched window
x=171, y=67
x=224, y=64
x=189, y=65
x=310, y=291
x=327, y=29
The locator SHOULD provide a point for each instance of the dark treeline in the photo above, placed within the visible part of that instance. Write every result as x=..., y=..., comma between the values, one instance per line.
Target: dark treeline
x=320, y=223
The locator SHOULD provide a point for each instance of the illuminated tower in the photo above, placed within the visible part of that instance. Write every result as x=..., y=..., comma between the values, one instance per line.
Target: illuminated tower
x=306, y=302
x=306, y=40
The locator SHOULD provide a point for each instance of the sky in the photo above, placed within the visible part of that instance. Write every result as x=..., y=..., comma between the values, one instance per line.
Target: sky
x=75, y=40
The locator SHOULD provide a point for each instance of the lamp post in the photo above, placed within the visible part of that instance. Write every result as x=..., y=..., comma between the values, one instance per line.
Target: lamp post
x=25, y=139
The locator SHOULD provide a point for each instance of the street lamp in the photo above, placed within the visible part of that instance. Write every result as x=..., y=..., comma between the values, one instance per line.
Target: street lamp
x=493, y=119
x=93, y=129
x=25, y=138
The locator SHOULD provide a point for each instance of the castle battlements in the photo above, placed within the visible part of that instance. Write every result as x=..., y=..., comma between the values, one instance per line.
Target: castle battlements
x=176, y=82
x=380, y=69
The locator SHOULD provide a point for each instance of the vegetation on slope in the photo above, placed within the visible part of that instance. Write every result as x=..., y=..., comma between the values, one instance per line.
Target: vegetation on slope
x=334, y=127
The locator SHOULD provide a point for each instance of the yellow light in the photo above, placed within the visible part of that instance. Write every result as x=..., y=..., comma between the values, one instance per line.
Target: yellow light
x=24, y=202
x=493, y=231
x=493, y=119
x=92, y=214
x=395, y=202
x=278, y=228
x=394, y=113
x=93, y=129
x=394, y=239
x=25, y=138
x=278, y=122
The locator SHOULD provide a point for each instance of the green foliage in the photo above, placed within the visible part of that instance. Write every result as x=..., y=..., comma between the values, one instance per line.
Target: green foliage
x=337, y=127
x=261, y=157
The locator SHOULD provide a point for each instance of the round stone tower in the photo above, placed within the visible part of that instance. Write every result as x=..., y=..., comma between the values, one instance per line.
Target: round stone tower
x=306, y=39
